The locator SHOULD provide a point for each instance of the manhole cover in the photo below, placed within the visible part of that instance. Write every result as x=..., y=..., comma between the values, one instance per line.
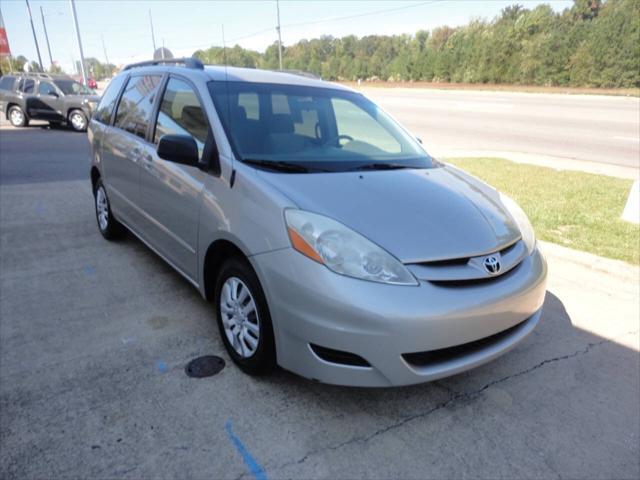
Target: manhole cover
x=206, y=366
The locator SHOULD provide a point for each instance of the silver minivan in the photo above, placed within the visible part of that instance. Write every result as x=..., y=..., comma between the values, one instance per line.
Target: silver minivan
x=328, y=241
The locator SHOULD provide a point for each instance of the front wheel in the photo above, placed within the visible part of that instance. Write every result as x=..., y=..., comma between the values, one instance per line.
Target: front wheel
x=17, y=117
x=78, y=120
x=243, y=318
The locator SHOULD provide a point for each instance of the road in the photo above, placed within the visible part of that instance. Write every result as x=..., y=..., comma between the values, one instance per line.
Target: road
x=95, y=336
x=591, y=128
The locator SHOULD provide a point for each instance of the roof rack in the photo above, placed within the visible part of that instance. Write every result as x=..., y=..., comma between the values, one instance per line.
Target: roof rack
x=32, y=74
x=188, y=62
x=300, y=73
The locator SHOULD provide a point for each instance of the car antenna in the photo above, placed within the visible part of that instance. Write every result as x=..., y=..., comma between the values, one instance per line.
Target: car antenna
x=232, y=180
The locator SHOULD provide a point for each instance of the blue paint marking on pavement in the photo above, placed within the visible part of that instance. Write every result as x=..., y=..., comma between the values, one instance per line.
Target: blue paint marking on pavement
x=160, y=365
x=88, y=270
x=249, y=461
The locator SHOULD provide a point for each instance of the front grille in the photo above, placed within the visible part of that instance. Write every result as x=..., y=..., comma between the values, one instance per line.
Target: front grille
x=473, y=282
x=431, y=357
x=452, y=262
x=447, y=263
x=469, y=271
x=338, y=356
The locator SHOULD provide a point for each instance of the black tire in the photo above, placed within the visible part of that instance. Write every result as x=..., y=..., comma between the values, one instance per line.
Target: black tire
x=17, y=117
x=263, y=360
x=78, y=120
x=111, y=229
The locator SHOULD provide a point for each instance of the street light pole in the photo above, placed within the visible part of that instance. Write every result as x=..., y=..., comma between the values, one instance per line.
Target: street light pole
x=46, y=36
x=279, y=35
x=153, y=37
x=35, y=39
x=106, y=57
x=72, y=3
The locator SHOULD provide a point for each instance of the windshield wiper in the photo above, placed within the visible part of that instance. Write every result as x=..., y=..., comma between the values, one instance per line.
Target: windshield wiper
x=277, y=165
x=382, y=166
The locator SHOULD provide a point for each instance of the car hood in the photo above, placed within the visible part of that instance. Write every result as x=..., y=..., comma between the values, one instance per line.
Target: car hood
x=417, y=215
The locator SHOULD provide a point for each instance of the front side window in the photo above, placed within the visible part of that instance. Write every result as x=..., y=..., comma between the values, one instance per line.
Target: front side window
x=45, y=88
x=134, y=110
x=108, y=100
x=314, y=129
x=181, y=114
x=71, y=87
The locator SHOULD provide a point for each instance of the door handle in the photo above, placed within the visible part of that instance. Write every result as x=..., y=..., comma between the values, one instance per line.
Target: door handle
x=136, y=154
x=147, y=161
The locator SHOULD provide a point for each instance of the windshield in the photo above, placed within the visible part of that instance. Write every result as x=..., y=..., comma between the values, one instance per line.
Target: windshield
x=71, y=87
x=312, y=129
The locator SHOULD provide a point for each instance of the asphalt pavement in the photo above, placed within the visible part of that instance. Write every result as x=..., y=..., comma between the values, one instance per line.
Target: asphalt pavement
x=587, y=128
x=95, y=337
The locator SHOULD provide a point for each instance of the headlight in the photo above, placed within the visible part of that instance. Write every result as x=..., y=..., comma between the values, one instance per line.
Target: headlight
x=526, y=230
x=342, y=250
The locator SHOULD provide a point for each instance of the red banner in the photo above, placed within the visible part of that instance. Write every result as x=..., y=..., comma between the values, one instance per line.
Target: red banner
x=5, y=51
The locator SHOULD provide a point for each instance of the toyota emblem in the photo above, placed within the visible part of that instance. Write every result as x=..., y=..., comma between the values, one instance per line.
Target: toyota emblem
x=491, y=265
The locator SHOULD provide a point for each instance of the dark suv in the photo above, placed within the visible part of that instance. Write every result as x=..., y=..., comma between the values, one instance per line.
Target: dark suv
x=39, y=96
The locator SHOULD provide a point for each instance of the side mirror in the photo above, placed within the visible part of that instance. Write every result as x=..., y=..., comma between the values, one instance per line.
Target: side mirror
x=180, y=149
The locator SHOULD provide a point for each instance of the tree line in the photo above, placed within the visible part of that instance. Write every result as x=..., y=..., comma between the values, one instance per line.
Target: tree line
x=594, y=43
x=95, y=68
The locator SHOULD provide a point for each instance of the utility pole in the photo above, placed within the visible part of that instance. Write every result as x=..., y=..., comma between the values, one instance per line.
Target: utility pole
x=153, y=37
x=224, y=50
x=35, y=39
x=279, y=35
x=46, y=36
x=106, y=57
x=72, y=3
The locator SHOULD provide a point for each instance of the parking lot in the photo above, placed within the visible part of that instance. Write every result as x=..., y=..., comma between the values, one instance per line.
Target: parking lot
x=95, y=336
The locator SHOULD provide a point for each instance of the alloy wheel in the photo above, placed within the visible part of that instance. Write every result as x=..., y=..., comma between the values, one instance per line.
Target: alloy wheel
x=17, y=117
x=102, y=208
x=240, y=317
x=77, y=121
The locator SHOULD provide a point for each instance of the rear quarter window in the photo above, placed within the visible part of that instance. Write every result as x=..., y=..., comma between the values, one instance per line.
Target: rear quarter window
x=6, y=83
x=108, y=100
x=136, y=103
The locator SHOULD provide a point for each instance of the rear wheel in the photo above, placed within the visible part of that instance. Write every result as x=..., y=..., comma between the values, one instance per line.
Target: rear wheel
x=78, y=120
x=17, y=117
x=109, y=227
x=243, y=318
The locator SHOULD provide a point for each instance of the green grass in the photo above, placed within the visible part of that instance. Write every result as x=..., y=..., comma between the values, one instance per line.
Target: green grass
x=574, y=209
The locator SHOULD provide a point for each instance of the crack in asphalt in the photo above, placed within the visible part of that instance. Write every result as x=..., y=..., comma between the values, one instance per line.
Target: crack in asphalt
x=440, y=406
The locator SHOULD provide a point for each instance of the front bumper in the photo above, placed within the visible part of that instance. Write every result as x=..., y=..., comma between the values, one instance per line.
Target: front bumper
x=380, y=323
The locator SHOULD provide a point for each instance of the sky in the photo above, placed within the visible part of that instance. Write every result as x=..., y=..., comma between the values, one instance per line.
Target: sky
x=185, y=26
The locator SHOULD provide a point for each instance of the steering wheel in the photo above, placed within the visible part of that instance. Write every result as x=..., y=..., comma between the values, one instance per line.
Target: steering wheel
x=337, y=139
